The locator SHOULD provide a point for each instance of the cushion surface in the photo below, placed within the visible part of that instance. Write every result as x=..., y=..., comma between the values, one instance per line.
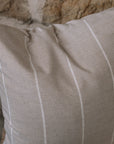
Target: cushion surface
x=57, y=82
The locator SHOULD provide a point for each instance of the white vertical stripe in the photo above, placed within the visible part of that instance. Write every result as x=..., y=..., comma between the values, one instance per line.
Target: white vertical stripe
x=107, y=60
x=38, y=92
x=9, y=111
x=102, y=50
x=80, y=97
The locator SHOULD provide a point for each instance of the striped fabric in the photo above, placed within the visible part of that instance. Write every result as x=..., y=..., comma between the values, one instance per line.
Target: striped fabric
x=57, y=82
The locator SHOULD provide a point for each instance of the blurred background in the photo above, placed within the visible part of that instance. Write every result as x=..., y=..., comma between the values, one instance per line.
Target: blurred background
x=53, y=11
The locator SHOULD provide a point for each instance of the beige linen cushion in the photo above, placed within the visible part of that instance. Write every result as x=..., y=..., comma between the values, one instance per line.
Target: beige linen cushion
x=57, y=82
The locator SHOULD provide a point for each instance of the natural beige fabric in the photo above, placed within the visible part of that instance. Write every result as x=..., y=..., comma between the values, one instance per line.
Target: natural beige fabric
x=57, y=82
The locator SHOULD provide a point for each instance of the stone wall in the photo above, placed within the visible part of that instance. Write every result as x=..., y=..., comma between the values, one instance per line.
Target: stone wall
x=53, y=11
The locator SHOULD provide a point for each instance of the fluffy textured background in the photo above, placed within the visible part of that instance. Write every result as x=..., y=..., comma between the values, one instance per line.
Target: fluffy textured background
x=52, y=11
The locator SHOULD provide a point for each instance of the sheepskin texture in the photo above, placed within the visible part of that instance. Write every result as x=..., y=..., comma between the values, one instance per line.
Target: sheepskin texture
x=18, y=9
x=52, y=11
x=62, y=11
